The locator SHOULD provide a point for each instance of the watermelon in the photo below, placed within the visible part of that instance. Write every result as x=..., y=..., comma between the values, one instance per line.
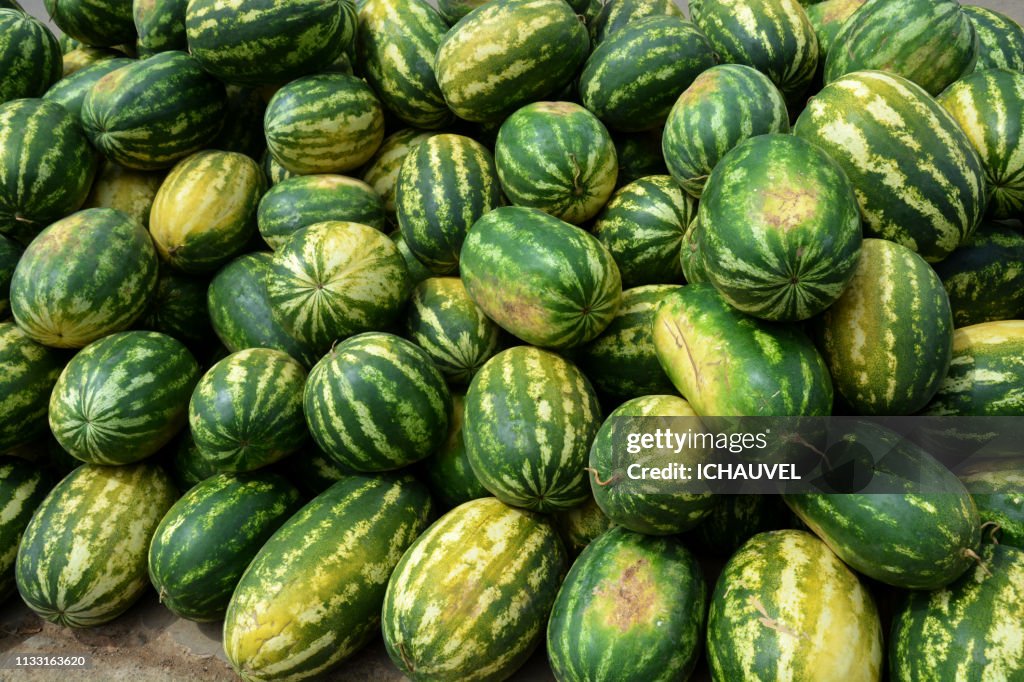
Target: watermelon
x=46, y=166
x=241, y=314
x=735, y=519
x=928, y=197
x=632, y=79
x=129, y=191
x=178, y=308
x=207, y=539
x=622, y=361
x=186, y=464
x=160, y=25
x=100, y=23
x=631, y=607
x=643, y=226
x=1000, y=39
x=558, y=157
x=84, y=277
x=252, y=42
x=541, y=279
x=969, y=631
x=82, y=560
x=328, y=123
x=989, y=106
x=828, y=19
x=418, y=272
x=724, y=106
x=376, y=402
x=772, y=369
x=10, y=254
x=617, y=14
x=149, y=114
x=335, y=279
x=84, y=56
x=986, y=373
x=653, y=508
x=781, y=232
x=929, y=42
x=243, y=123
x=123, y=397
x=313, y=594
x=443, y=320
x=23, y=486
x=381, y=171
x=530, y=417
x=888, y=338
x=444, y=186
x=639, y=155
x=246, y=411
x=508, y=53
x=453, y=10
x=785, y=608
x=691, y=259
x=395, y=47
x=306, y=200
x=996, y=488
x=274, y=171
x=581, y=525
x=984, y=278
x=773, y=36
x=30, y=57
x=447, y=471
x=446, y=617
x=29, y=371
x=205, y=211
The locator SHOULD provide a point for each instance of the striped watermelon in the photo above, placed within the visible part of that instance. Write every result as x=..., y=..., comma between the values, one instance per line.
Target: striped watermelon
x=508, y=53
x=639, y=156
x=83, y=56
x=395, y=47
x=23, y=486
x=632, y=607
x=530, y=417
x=447, y=471
x=10, y=254
x=376, y=402
x=558, y=157
x=785, y=608
x=541, y=279
x=381, y=171
x=71, y=91
x=28, y=374
x=989, y=106
x=306, y=200
x=984, y=278
x=149, y=114
x=186, y=464
x=724, y=106
x=241, y=313
x=335, y=279
x=1000, y=39
x=691, y=258
x=443, y=320
x=453, y=10
x=929, y=197
x=448, y=618
x=129, y=191
x=986, y=374
x=243, y=123
x=828, y=19
x=888, y=338
x=274, y=171
x=969, y=631
x=581, y=525
x=622, y=361
x=996, y=488
x=773, y=370
x=253, y=42
x=30, y=57
x=929, y=42
x=642, y=506
x=643, y=226
x=82, y=560
x=773, y=36
x=246, y=411
x=101, y=23
x=207, y=539
x=84, y=277
x=46, y=166
x=178, y=309
x=160, y=25
x=123, y=397
x=445, y=185
x=617, y=14
x=330, y=123
x=313, y=594
x=632, y=79
x=205, y=211
x=781, y=231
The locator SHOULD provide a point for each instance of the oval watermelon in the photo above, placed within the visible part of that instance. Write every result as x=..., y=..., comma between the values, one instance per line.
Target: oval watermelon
x=381, y=171
x=30, y=57
x=129, y=191
x=70, y=92
x=160, y=25
x=23, y=486
x=984, y=278
x=1000, y=39
x=986, y=373
x=101, y=23
x=617, y=14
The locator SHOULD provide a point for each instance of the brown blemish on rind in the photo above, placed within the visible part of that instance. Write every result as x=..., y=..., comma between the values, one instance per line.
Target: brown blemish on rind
x=786, y=208
x=632, y=596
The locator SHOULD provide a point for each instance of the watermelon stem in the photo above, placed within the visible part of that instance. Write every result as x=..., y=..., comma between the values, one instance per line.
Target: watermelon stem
x=597, y=477
x=968, y=552
x=993, y=529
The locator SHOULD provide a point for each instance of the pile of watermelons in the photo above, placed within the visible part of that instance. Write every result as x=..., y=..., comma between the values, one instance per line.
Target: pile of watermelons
x=284, y=283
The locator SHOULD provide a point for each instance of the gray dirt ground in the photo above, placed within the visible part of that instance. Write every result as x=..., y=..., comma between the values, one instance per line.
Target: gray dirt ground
x=149, y=644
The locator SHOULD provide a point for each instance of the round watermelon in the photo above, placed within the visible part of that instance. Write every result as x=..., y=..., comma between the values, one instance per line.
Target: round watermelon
x=129, y=191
